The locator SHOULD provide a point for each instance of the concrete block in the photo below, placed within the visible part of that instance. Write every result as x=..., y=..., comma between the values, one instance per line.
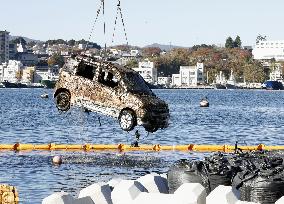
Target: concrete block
x=85, y=200
x=245, y=202
x=113, y=182
x=58, y=198
x=98, y=192
x=280, y=201
x=126, y=191
x=165, y=176
x=192, y=192
x=153, y=198
x=223, y=195
x=154, y=183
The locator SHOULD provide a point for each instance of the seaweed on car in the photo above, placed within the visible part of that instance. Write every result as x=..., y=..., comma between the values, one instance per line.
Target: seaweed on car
x=112, y=90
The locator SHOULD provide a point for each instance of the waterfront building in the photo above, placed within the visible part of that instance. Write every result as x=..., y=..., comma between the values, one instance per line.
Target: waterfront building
x=28, y=74
x=265, y=50
x=2, y=71
x=12, y=71
x=148, y=71
x=165, y=81
x=276, y=73
x=4, y=46
x=189, y=76
x=46, y=73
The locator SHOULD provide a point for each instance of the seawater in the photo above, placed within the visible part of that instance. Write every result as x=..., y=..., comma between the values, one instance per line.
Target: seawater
x=248, y=116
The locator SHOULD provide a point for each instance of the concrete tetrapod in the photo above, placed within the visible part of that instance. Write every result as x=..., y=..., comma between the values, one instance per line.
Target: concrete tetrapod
x=58, y=198
x=126, y=191
x=99, y=192
x=223, y=195
x=192, y=193
x=113, y=182
x=85, y=200
x=280, y=201
x=154, y=183
x=157, y=198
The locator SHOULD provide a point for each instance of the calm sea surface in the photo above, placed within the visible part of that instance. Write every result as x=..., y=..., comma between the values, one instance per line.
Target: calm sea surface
x=248, y=116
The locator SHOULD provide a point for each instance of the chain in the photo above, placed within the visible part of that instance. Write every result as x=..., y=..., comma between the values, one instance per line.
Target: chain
x=96, y=19
x=115, y=22
x=119, y=11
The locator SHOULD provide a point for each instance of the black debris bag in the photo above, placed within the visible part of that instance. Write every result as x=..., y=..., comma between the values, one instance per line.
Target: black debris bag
x=212, y=172
x=218, y=170
x=185, y=171
x=261, y=178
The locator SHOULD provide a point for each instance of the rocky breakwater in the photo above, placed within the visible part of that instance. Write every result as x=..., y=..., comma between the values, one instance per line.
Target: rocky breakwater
x=219, y=179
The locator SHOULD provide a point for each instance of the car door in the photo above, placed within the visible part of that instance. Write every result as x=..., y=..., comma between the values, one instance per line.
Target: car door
x=107, y=92
x=83, y=83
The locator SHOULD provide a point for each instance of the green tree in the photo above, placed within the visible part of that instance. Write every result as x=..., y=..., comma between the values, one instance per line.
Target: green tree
x=83, y=41
x=229, y=43
x=19, y=40
x=260, y=38
x=132, y=64
x=71, y=42
x=238, y=42
x=254, y=72
x=56, y=59
x=151, y=51
x=56, y=42
x=31, y=43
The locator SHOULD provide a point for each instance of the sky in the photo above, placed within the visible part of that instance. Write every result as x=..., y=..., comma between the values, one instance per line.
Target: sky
x=177, y=22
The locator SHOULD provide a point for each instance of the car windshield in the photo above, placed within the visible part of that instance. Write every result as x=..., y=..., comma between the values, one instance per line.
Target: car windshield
x=136, y=84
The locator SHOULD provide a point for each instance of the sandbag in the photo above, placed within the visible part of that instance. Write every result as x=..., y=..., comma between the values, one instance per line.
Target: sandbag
x=185, y=171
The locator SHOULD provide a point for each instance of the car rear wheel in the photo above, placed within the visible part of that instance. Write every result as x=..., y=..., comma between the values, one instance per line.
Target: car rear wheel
x=63, y=101
x=127, y=120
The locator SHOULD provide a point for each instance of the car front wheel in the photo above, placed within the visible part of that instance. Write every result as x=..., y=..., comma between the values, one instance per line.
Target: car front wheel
x=63, y=101
x=127, y=120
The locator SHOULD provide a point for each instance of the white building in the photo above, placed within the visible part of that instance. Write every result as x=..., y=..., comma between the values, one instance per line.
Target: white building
x=82, y=46
x=115, y=52
x=4, y=46
x=135, y=53
x=21, y=47
x=189, y=76
x=45, y=73
x=264, y=50
x=148, y=71
x=276, y=73
x=2, y=71
x=28, y=74
x=11, y=71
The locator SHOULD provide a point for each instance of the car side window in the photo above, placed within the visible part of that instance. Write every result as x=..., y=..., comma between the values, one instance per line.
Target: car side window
x=108, y=78
x=85, y=70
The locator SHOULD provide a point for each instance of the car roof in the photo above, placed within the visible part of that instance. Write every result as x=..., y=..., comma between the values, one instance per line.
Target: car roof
x=107, y=65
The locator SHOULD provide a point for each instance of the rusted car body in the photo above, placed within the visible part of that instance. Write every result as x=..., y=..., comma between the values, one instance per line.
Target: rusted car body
x=111, y=90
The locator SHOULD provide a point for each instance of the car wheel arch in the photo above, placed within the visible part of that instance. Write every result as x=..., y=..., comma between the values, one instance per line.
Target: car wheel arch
x=61, y=90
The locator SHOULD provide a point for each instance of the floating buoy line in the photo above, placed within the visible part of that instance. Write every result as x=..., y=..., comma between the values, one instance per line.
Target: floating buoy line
x=125, y=147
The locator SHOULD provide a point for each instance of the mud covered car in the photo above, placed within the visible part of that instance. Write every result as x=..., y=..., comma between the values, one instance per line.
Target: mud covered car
x=111, y=90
